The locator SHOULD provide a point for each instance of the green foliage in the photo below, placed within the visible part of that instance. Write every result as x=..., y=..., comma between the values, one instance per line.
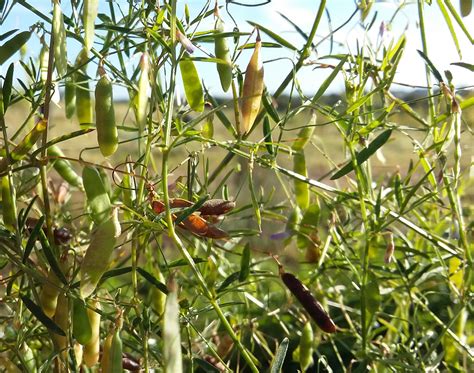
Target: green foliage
x=170, y=253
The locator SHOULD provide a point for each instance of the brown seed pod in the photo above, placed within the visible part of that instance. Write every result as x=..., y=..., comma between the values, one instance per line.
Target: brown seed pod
x=253, y=89
x=315, y=310
x=216, y=207
x=195, y=224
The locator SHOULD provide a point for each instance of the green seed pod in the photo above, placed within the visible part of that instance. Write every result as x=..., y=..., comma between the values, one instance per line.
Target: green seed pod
x=158, y=298
x=98, y=254
x=81, y=327
x=98, y=199
x=116, y=353
x=70, y=96
x=28, y=358
x=142, y=94
x=192, y=83
x=84, y=109
x=8, y=204
x=107, y=135
x=64, y=167
x=59, y=36
x=222, y=52
x=106, y=349
x=128, y=190
x=49, y=294
x=78, y=353
x=305, y=134
x=92, y=349
x=301, y=188
x=89, y=14
x=61, y=318
x=306, y=347
x=43, y=61
x=24, y=146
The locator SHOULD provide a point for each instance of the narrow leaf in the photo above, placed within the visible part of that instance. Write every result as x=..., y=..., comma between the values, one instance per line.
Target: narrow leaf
x=10, y=47
x=152, y=280
x=365, y=154
x=32, y=239
x=245, y=264
x=279, y=359
x=274, y=36
x=52, y=261
x=40, y=315
x=432, y=67
x=7, y=86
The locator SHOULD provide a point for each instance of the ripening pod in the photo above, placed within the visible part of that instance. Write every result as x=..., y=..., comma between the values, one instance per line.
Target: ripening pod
x=49, y=294
x=142, y=94
x=466, y=7
x=92, y=348
x=252, y=90
x=8, y=203
x=222, y=52
x=89, y=14
x=59, y=36
x=306, y=347
x=61, y=318
x=84, y=109
x=107, y=134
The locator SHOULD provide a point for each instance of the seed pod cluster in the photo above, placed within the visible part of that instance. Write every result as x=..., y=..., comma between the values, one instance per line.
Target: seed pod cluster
x=253, y=89
x=311, y=305
x=107, y=135
x=195, y=223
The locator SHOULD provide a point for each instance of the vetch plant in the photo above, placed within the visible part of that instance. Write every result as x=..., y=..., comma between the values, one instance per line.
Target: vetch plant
x=189, y=206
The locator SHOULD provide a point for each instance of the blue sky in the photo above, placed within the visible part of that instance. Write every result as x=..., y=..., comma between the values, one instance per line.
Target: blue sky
x=411, y=71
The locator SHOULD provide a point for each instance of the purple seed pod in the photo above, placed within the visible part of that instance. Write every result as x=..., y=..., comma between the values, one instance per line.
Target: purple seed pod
x=311, y=305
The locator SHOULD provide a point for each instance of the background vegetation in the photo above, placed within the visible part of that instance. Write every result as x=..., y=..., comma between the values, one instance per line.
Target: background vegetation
x=365, y=197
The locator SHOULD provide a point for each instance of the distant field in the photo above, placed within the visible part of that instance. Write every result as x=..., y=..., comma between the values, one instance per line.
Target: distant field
x=326, y=144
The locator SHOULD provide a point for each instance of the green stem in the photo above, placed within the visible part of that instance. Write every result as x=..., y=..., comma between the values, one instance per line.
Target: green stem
x=431, y=104
x=166, y=198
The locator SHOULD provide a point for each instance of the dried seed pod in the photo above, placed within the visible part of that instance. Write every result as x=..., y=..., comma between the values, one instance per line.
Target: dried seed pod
x=129, y=363
x=195, y=224
x=315, y=310
x=253, y=89
x=216, y=207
